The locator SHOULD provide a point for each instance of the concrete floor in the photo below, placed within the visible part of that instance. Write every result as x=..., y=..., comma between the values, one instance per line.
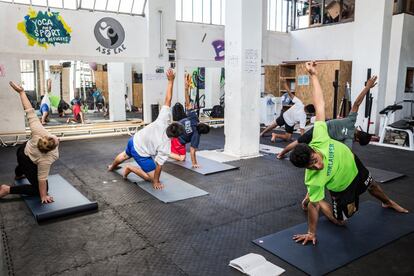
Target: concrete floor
x=135, y=234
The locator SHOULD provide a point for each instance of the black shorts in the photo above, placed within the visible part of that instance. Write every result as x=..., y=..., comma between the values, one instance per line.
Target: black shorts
x=346, y=202
x=280, y=121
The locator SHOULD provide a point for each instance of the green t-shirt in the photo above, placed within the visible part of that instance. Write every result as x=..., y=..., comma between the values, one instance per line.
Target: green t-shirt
x=339, y=165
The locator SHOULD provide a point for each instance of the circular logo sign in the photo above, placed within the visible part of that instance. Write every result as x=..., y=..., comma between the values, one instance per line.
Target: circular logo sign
x=109, y=33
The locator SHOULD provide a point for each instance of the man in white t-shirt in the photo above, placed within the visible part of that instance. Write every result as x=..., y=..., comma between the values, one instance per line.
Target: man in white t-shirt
x=295, y=114
x=154, y=140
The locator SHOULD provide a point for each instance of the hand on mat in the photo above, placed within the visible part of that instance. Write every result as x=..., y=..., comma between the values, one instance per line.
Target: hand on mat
x=47, y=199
x=157, y=186
x=311, y=68
x=305, y=238
x=280, y=156
x=17, y=88
x=196, y=166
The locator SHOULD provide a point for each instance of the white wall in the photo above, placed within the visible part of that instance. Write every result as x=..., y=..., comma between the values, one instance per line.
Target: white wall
x=11, y=110
x=326, y=42
x=371, y=47
x=276, y=47
x=192, y=51
x=83, y=43
x=154, y=84
x=401, y=57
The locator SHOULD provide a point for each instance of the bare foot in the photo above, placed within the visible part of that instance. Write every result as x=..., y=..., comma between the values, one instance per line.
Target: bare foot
x=273, y=140
x=395, y=206
x=110, y=168
x=127, y=171
x=4, y=190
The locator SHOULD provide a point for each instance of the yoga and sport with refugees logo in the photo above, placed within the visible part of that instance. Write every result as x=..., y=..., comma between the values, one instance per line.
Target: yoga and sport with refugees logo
x=111, y=35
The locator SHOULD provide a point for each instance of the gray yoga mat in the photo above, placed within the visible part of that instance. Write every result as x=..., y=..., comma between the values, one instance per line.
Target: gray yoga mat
x=174, y=189
x=370, y=228
x=384, y=176
x=67, y=200
x=207, y=166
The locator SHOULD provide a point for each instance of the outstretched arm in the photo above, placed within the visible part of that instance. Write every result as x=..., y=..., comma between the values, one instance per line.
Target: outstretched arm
x=287, y=88
x=34, y=123
x=370, y=84
x=170, y=86
x=23, y=97
x=317, y=95
x=187, y=91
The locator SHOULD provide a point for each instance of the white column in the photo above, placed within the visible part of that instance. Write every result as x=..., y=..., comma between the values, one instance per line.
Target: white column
x=161, y=22
x=116, y=91
x=11, y=110
x=212, y=86
x=243, y=38
x=371, y=50
x=128, y=80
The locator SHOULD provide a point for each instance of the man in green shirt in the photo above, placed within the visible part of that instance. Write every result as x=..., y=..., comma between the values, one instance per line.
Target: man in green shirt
x=332, y=165
x=342, y=130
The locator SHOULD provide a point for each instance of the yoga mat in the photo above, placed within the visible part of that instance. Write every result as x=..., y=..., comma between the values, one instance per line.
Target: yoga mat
x=370, y=228
x=269, y=149
x=174, y=189
x=207, y=166
x=384, y=176
x=67, y=200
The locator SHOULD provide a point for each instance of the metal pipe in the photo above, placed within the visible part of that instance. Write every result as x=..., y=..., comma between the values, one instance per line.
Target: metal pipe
x=161, y=34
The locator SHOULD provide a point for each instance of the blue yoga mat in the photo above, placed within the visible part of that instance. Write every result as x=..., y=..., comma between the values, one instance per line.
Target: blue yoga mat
x=369, y=229
x=67, y=200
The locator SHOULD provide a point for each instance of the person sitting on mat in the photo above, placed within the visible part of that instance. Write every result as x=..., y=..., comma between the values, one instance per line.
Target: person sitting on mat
x=296, y=113
x=332, y=165
x=192, y=131
x=342, y=130
x=44, y=108
x=78, y=116
x=152, y=140
x=35, y=157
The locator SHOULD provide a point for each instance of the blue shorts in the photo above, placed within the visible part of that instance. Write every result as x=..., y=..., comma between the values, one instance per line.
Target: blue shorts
x=147, y=164
x=44, y=108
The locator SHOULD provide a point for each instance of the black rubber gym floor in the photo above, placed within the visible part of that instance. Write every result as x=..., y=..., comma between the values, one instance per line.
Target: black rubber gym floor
x=135, y=234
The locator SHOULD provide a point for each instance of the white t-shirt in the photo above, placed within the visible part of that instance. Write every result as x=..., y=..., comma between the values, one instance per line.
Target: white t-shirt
x=45, y=100
x=295, y=114
x=152, y=140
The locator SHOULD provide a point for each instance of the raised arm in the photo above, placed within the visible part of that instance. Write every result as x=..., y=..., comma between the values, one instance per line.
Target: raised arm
x=370, y=84
x=170, y=86
x=317, y=95
x=287, y=88
x=187, y=91
x=23, y=97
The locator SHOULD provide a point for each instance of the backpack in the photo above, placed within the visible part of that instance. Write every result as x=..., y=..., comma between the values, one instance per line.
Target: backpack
x=217, y=112
x=178, y=112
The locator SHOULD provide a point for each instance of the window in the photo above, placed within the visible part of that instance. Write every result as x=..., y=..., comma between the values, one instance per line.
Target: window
x=201, y=11
x=278, y=15
x=310, y=13
x=132, y=7
x=286, y=15
x=409, y=81
x=403, y=6
x=27, y=71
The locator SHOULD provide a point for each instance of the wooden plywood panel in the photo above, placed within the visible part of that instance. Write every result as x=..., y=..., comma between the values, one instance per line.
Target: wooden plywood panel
x=326, y=74
x=345, y=76
x=137, y=94
x=272, y=80
x=101, y=82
